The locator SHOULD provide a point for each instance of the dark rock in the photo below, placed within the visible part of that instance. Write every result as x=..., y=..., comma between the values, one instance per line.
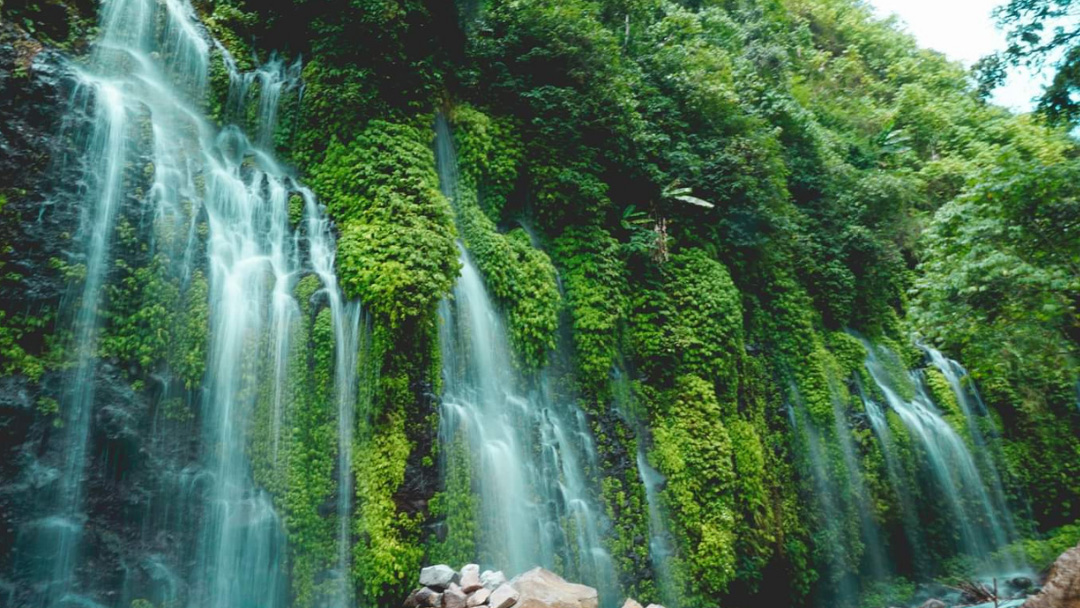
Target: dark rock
x=424, y=598
x=454, y=597
x=1021, y=582
x=933, y=603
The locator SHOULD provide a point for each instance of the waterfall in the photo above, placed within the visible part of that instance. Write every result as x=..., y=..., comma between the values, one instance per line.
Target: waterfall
x=973, y=408
x=143, y=92
x=893, y=469
x=529, y=449
x=841, y=498
x=981, y=522
x=661, y=550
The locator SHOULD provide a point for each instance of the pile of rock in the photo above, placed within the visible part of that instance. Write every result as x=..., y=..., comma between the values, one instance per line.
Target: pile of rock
x=443, y=587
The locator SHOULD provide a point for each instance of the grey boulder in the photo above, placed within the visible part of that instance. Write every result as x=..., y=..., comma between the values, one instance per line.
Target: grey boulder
x=438, y=577
x=492, y=580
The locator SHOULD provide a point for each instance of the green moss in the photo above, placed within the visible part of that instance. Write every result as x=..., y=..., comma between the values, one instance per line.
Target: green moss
x=309, y=453
x=396, y=252
x=389, y=553
x=708, y=324
x=595, y=288
x=22, y=350
x=1040, y=553
x=141, y=313
x=396, y=436
x=490, y=152
x=188, y=351
x=520, y=277
x=694, y=451
x=943, y=396
x=849, y=352
x=624, y=501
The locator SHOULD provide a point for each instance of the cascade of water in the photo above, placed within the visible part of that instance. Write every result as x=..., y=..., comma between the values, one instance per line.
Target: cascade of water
x=842, y=496
x=948, y=459
x=346, y=350
x=660, y=544
x=143, y=89
x=971, y=404
x=529, y=450
x=908, y=513
x=826, y=493
x=121, y=80
x=873, y=547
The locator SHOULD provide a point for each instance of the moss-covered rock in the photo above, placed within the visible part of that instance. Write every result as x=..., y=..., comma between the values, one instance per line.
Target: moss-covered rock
x=396, y=252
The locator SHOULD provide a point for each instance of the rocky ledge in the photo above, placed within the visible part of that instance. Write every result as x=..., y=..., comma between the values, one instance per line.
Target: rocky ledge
x=443, y=587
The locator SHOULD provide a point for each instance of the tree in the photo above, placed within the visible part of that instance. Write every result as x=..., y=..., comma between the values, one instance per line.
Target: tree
x=1041, y=33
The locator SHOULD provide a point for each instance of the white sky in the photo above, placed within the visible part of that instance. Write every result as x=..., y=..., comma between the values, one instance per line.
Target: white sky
x=965, y=31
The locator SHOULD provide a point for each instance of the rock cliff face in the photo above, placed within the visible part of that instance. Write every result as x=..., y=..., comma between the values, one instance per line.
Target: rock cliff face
x=33, y=218
x=41, y=181
x=1062, y=588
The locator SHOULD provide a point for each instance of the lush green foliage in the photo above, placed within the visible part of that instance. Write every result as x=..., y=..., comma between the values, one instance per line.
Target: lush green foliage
x=1042, y=552
x=833, y=177
x=596, y=288
x=396, y=250
x=390, y=547
x=694, y=451
x=490, y=153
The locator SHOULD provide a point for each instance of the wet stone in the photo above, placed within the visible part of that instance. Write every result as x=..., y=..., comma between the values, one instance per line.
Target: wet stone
x=424, y=598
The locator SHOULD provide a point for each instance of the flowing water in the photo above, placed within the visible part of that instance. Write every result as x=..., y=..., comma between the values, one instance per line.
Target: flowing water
x=894, y=470
x=529, y=449
x=661, y=549
x=226, y=203
x=841, y=499
x=980, y=517
x=971, y=404
x=143, y=90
